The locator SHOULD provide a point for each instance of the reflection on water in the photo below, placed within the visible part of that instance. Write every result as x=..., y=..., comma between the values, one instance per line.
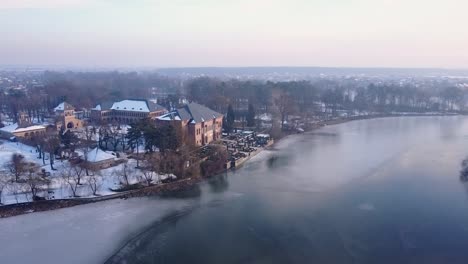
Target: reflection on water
x=219, y=183
x=192, y=192
x=373, y=191
x=464, y=170
x=277, y=161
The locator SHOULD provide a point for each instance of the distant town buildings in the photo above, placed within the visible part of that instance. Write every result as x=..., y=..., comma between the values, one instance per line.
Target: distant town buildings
x=199, y=125
x=126, y=111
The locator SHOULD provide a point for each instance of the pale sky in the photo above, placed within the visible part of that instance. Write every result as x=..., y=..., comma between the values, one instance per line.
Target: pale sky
x=183, y=33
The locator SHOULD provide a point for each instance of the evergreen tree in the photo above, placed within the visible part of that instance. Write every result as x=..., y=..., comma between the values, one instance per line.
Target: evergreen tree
x=230, y=117
x=251, y=116
x=69, y=139
x=151, y=136
x=168, y=139
x=134, y=137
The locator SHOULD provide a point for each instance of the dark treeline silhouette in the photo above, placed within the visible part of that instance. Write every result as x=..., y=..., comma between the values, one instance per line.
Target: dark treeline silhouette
x=86, y=89
x=321, y=97
x=83, y=90
x=247, y=98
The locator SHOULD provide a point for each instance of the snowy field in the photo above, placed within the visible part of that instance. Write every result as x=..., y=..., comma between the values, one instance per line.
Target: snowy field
x=16, y=193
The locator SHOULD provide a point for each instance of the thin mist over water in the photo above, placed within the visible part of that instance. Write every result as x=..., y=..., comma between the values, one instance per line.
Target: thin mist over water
x=384, y=190
x=367, y=191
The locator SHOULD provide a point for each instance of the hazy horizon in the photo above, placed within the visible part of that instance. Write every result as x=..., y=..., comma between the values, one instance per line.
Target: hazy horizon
x=189, y=33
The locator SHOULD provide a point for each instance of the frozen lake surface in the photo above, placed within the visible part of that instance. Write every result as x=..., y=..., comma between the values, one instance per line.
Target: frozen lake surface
x=374, y=191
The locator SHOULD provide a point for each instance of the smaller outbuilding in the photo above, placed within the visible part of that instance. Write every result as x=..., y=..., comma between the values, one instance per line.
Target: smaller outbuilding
x=98, y=159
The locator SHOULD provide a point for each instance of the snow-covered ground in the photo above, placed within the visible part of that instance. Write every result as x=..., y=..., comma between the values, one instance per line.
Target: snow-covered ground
x=108, y=178
x=7, y=149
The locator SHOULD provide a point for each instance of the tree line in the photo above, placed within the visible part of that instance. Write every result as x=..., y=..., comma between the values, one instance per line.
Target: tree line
x=320, y=97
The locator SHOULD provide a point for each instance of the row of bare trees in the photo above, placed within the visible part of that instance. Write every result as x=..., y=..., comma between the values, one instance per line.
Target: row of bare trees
x=22, y=177
x=322, y=97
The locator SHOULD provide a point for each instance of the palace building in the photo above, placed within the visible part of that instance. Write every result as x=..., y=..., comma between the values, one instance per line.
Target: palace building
x=65, y=117
x=126, y=111
x=199, y=124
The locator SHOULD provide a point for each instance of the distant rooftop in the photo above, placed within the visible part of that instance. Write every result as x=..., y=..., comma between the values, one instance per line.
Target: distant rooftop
x=192, y=112
x=14, y=128
x=97, y=155
x=63, y=106
x=130, y=105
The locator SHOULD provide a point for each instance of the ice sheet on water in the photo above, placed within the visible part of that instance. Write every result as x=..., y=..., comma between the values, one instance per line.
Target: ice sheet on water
x=366, y=207
x=88, y=233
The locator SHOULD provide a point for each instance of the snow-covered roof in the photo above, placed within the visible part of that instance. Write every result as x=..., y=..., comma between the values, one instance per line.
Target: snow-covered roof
x=9, y=128
x=193, y=112
x=135, y=105
x=29, y=128
x=170, y=116
x=131, y=105
x=97, y=155
x=14, y=128
x=63, y=106
x=265, y=117
x=102, y=106
x=59, y=107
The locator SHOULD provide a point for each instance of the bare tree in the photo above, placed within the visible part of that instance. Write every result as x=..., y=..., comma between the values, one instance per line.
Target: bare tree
x=150, y=168
x=124, y=174
x=111, y=133
x=38, y=141
x=70, y=179
x=285, y=106
x=4, y=181
x=77, y=169
x=52, y=143
x=94, y=182
x=85, y=143
x=17, y=166
x=35, y=182
x=16, y=189
x=148, y=176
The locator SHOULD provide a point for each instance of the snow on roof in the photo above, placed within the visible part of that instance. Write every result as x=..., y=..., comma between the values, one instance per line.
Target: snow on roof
x=63, y=106
x=98, y=107
x=170, y=116
x=197, y=112
x=59, y=107
x=131, y=105
x=265, y=117
x=192, y=112
x=96, y=155
x=10, y=128
x=29, y=128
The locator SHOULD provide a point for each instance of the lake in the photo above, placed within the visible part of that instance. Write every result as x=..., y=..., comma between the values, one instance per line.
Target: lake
x=372, y=191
